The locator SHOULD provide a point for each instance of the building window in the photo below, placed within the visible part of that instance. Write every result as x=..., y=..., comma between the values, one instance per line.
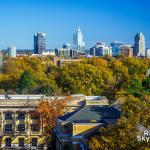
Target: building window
x=21, y=115
x=34, y=115
x=34, y=142
x=21, y=142
x=8, y=142
x=21, y=127
x=35, y=127
x=8, y=116
x=8, y=128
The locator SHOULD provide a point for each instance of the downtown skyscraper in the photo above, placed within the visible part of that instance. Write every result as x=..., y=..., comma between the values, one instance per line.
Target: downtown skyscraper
x=39, y=42
x=139, y=45
x=78, y=42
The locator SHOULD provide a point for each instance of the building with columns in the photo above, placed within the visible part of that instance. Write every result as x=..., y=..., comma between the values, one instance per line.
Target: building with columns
x=22, y=128
x=19, y=125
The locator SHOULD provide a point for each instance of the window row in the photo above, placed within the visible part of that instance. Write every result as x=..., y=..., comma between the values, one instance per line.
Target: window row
x=21, y=116
x=21, y=142
x=21, y=128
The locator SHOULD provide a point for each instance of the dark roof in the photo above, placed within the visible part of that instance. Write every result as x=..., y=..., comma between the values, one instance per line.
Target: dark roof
x=92, y=114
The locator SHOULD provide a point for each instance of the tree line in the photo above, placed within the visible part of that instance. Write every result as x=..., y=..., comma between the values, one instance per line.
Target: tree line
x=96, y=76
x=123, y=80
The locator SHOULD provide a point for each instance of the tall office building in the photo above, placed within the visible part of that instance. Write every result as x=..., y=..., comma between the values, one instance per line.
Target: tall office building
x=126, y=51
x=139, y=45
x=39, y=42
x=78, y=42
x=12, y=51
x=101, y=49
x=116, y=48
x=148, y=53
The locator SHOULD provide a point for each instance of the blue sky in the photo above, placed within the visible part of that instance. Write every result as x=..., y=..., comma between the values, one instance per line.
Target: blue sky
x=99, y=20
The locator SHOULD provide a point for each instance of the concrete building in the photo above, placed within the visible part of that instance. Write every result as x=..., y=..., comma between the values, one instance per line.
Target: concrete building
x=39, y=42
x=116, y=48
x=48, y=53
x=19, y=124
x=148, y=53
x=139, y=45
x=78, y=42
x=60, y=61
x=101, y=49
x=20, y=129
x=12, y=51
x=73, y=129
x=66, y=51
x=126, y=51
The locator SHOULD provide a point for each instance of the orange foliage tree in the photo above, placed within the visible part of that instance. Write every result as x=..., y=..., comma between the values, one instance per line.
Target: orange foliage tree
x=49, y=110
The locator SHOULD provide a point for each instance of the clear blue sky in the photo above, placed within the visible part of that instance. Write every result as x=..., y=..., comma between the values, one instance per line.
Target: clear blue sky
x=99, y=20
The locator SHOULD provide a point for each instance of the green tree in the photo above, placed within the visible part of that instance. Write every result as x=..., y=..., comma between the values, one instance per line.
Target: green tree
x=27, y=82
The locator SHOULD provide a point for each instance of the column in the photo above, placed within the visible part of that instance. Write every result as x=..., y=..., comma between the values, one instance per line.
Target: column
x=14, y=123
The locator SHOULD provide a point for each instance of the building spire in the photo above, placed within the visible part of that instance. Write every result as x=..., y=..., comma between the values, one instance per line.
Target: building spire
x=79, y=29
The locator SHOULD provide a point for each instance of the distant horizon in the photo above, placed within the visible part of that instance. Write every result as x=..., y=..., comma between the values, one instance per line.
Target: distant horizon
x=99, y=20
x=87, y=48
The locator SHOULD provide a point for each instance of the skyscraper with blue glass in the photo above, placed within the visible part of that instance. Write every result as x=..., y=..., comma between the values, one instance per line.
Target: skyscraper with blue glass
x=116, y=48
x=39, y=42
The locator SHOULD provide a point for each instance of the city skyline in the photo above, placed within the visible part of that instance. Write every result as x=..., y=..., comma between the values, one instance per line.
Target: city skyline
x=99, y=20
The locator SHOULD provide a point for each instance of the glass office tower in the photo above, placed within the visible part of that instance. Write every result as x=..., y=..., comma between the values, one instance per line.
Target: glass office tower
x=78, y=42
x=39, y=42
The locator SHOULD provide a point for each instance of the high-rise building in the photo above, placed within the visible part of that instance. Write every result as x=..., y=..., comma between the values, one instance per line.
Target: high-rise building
x=139, y=45
x=68, y=46
x=78, y=42
x=148, y=52
x=39, y=42
x=101, y=49
x=126, y=51
x=116, y=48
x=12, y=51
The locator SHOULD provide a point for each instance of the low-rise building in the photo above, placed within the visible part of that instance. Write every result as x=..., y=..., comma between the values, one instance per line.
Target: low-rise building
x=66, y=52
x=21, y=127
x=74, y=128
x=60, y=61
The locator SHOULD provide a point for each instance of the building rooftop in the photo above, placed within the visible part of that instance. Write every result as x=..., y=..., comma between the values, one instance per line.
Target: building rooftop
x=89, y=114
x=23, y=97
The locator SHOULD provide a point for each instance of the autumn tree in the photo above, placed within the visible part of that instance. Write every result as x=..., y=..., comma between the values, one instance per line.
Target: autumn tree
x=94, y=76
x=80, y=78
x=49, y=110
x=123, y=136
